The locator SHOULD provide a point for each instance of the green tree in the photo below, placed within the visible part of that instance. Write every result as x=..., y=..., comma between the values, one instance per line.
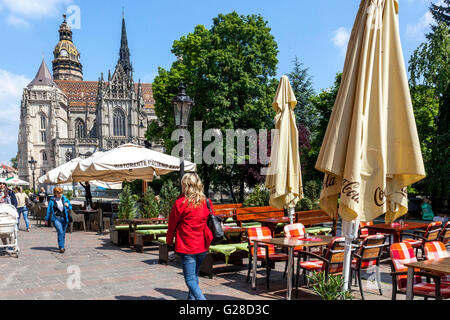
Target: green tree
x=127, y=205
x=14, y=162
x=441, y=13
x=169, y=194
x=429, y=69
x=150, y=206
x=323, y=103
x=302, y=85
x=228, y=70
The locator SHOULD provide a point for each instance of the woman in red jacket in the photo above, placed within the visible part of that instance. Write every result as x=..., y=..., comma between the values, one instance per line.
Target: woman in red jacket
x=187, y=222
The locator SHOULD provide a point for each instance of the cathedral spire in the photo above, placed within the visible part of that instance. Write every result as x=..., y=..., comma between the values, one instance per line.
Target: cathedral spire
x=124, y=54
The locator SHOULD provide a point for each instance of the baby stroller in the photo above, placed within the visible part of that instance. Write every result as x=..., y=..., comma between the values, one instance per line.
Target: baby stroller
x=8, y=228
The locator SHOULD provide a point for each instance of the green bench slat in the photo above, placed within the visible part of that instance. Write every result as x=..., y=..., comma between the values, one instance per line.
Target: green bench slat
x=151, y=226
x=151, y=232
x=228, y=249
x=317, y=230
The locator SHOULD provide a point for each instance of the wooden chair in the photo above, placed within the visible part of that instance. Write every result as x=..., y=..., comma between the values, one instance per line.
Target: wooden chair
x=444, y=236
x=430, y=234
x=314, y=217
x=77, y=217
x=40, y=213
x=331, y=261
x=436, y=250
x=368, y=256
x=265, y=253
x=403, y=253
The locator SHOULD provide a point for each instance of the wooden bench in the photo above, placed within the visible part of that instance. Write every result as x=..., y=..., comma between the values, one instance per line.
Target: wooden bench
x=313, y=217
x=216, y=254
x=254, y=213
x=119, y=235
x=141, y=237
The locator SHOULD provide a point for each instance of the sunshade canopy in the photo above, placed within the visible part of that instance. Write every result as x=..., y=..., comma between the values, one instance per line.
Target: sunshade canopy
x=128, y=162
x=371, y=152
x=284, y=175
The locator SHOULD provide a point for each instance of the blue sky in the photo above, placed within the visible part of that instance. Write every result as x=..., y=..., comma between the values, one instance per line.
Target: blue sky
x=314, y=31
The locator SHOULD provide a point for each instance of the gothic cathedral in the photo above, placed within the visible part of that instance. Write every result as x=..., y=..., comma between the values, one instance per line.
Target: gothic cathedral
x=63, y=117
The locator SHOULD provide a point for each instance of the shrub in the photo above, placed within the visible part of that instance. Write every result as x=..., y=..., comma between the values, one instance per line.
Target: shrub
x=69, y=194
x=127, y=209
x=169, y=194
x=259, y=197
x=331, y=288
x=149, y=206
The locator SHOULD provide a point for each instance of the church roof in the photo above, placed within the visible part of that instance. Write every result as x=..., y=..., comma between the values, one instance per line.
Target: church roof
x=43, y=77
x=81, y=93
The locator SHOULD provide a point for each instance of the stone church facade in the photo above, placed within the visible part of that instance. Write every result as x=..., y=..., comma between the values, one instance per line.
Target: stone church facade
x=63, y=117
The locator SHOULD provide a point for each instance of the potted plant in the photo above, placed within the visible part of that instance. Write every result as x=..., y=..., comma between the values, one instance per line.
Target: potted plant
x=127, y=206
x=330, y=288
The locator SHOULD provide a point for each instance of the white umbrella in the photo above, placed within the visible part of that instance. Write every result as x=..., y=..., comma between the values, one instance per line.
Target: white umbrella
x=371, y=150
x=128, y=162
x=17, y=182
x=284, y=179
x=63, y=174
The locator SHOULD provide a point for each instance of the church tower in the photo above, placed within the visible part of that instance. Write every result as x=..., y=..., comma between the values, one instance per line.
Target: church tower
x=66, y=63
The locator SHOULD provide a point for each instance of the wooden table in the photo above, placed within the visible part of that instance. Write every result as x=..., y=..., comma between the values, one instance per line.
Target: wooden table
x=396, y=228
x=86, y=217
x=289, y=243
x=229, y=230
x=439, y=266
x=272, y=223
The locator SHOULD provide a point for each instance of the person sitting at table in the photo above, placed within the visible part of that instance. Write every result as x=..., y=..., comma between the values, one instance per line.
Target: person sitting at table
x=58, y=212
x=42, y=195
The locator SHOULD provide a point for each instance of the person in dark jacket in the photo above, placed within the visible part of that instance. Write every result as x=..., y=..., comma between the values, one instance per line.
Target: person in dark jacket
x=58, y=212
x=88, y=194
x=7, y=195
x=187, y=223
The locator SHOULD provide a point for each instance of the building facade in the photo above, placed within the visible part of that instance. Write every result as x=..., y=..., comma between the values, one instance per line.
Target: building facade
x=64, y=117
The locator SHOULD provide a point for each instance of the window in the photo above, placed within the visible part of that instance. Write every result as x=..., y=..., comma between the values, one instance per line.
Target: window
x=44, y=156
x=94, y=130
x=79, y=128
x=43, y=128
x=118, y=123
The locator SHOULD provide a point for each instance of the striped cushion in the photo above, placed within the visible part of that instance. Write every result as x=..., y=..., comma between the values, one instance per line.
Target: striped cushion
x=365, y=264
x=436, y=250
x=295, y=230
x=260, y=233
x=401, y=254
x=318, y=266
x=429, y=289
x=414, y=243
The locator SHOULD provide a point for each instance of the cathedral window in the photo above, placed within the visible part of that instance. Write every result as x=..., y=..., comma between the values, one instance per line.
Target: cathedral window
x=94, y=130
x=43, y=128
x=118, y=123
x=79, y=128
x=44, y=156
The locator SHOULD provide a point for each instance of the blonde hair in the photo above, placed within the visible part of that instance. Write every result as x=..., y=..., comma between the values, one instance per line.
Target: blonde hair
x=193, y=189
x=58, y=189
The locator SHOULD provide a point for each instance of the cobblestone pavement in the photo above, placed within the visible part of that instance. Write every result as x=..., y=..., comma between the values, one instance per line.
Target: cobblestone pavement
x=110, y=272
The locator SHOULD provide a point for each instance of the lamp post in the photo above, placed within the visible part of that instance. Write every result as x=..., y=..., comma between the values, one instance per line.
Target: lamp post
x=182, y=105
x=32, y=163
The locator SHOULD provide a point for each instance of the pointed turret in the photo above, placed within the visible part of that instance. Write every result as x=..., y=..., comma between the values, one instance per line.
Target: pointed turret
x=124, y=54
x=43, y=77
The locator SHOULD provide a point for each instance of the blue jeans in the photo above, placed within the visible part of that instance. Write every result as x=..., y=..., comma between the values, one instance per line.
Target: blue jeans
x=191, y=267
x=61, y=227
x=24, y=211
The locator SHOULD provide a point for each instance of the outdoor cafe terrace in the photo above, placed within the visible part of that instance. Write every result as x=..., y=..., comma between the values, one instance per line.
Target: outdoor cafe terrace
x=110, y=270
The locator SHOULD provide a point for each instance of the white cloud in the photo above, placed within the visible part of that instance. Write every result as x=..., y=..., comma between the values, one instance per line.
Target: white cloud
x=20, y=12
x=419, y=29
x=17, y=22
x=340, y=39
x=11, y=87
